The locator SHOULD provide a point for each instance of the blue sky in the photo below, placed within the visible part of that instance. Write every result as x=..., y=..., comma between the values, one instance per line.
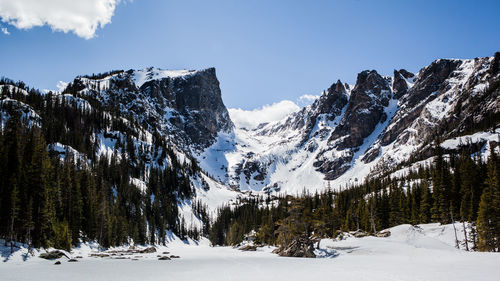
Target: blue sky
x=264, y=51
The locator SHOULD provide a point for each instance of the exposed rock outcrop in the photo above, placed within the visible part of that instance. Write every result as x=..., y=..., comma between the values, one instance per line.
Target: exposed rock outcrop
x=364, y=110
x=399, y=83
x=428, y=81
x=197, y=100
x=300, y=247
x=186, y=106
x=52, y=255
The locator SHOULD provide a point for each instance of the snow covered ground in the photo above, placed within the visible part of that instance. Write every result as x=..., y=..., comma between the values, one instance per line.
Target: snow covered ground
x=426, y=252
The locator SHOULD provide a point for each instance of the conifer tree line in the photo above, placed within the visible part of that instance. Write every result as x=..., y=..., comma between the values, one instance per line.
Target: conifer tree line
x=455, y=188
x=50, y=198
x=46, y=201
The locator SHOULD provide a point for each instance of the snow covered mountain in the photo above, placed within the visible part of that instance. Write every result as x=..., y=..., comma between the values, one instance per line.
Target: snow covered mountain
x=184, y=105
x=349, y=133
x=352, y=132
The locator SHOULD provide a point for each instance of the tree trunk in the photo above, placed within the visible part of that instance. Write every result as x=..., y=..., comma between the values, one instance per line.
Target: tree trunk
x=372, y=220
x=12, y=236
x=465, y=235
x=454, y=229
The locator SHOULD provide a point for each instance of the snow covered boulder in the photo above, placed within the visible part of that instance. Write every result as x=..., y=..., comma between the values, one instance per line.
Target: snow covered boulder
x=300, y=247
x=358, y=233
x=149, y=250
x=52, y=255
x=248, y=248
x=383, y=233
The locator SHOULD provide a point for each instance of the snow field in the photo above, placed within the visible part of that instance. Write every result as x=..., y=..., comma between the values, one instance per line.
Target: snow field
x=425, y=252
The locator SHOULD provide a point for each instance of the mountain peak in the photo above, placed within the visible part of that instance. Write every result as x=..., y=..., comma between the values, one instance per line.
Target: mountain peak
x=332, y=100
x=141, y=76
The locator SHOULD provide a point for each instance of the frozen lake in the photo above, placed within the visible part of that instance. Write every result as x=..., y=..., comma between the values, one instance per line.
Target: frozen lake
x=406, y=255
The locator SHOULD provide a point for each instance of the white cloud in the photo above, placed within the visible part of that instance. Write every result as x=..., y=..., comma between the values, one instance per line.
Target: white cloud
x=252, y=118
x=5, y=31
x=61, y=86
x=81, y=17
x=307, y=99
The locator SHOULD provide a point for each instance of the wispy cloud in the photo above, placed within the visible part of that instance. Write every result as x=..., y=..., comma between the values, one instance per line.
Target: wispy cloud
x=5, y=30
x=250, y=119
x=81, y=17
x=307, y=99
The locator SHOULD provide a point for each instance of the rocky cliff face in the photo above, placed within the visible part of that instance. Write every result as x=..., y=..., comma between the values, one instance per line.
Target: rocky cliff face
x=185, y=106
x=402, y=81
x=364, y=110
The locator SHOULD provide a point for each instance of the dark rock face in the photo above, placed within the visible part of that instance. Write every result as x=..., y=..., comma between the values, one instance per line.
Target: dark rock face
x=197, y=98
x=399, y=85
x=187, y=108
x=361, y=112
x=430, y=80
x=364, y=110
x=251, y=167
x=371, y=154
x=333, y=168
x=329, y=103
x=333, y=101
x=406, y=74
x=475, y=108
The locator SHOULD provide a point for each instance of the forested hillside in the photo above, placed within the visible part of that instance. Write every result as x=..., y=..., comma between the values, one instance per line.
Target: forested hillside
x=454, y=187
x=57, y=195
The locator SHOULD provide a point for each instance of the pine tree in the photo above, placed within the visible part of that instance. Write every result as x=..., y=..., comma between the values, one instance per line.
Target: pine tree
x=425, y=204
x=62, y=236
x=12, y=170
x=396, y=210
x=488, y=216
x=441, y=185
x=42, y=188
x=14, y=210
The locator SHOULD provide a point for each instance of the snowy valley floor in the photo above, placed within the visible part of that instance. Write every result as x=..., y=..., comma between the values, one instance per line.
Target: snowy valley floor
x=422, y=253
